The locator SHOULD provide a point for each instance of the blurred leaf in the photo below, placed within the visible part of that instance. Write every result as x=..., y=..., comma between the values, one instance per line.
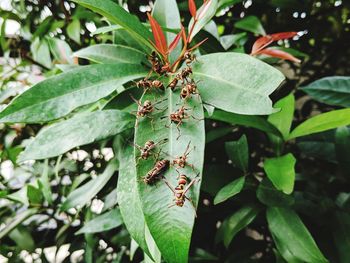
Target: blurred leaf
x=226, y=3
x=73, y=30
x=242, y=89
x=41, y=52
x=57, y=96
x=322, y=122
x=228, y=41
x=245, y=120
x=341, y=235
x=280, y=171
x=217, y=133
x=330, y=90
x=251, y=24
x=60, y=50
x=211, y=45
x=82, y=129
x=22, y=238
x=34, y=194
x=270, y=196
x=44, y=183
x=229, y=190
x=103, y=222
x=83, y=194
x=289, y=231
x=111, y=54
x=342, y=148
x=238, y=152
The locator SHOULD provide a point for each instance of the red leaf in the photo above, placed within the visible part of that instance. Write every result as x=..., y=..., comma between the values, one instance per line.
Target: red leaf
x=175, y=41
x=192, y=7
x=184, y=38
x=159, y=38
x=283, y=35
x=279, y=54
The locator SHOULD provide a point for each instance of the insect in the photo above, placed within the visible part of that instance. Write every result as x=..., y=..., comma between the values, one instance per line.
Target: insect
x=156, y=62
x=148, y=84
x=173, y=83
x=181, y=161
x=189, y=89
x=145, y=109
x=147, y=149
x=189, y=57
x=184, y=74
x=156, y=172
x=181, y=189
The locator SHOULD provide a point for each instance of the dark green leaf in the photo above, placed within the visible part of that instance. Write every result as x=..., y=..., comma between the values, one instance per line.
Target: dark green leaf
x=83, y=194
x=289, y=231
x=171, y=236
x=229, y=190
x=280, y=171
x=341, y=235
x=226, y=3
x=330, y=90
x=270, y=196
x=57, y=96
x=211, y=45
x=117, y=14
x=111, y=54
x=79, y=130
x=73, y=30
x=22, y=237
x=237, y=92
x=103, y=222
x=217, y=133
x=238, y=152
x=342, y=148
x=34, y=194
x=251, y=24
x=245, y=120
x=322, y=122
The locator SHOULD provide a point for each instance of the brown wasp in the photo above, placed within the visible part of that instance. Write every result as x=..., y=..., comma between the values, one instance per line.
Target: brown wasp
x=156, y=172
x=173, y=83
x=189, y=57
x=157, y=64
x=184, y=74
x=189, y=89
x=181, y=161
x=145, y=109
x=148, y=84
x=181, y=189
x=147, y=149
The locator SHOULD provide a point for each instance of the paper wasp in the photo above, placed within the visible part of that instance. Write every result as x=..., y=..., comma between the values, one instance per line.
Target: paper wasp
x=189, y=89
x=180, y=191
x=156, y=172
x=148, y=84
x=189, y=57
x=157, y=64
x=146, y=150
x=181, y=161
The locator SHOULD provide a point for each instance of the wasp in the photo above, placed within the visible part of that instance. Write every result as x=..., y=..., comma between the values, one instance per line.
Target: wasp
x=147, y=149
x=181, y=189
x=189, y=89
x=145, y=109
x=189, y=57
x=173, y=83
x=184, y=74
x=148, y=84
x=156, y=172
x=156, y=62
x=181, y=161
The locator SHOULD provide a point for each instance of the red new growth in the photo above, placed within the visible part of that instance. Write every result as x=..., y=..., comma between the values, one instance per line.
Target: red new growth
x=261, y=43
x=159, y=37
x=192, y=7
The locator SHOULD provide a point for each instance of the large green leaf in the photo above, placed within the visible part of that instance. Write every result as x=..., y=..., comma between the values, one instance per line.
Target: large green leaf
x=128, y=196
x=270, y=196
x=289, y=231
x=229, y=190
x=171, y=228
x=342, y=149
x=322, y=122
x=330, y=90
x=117, y=14
x=251, y=24
x=280, y=171
x=104, y=222
x=82, y=129
x=86, y=192
x=341, y=235
x=238, y=152
x=57, y=96
x=237, y=83
x=245, y=120
x=111, y=54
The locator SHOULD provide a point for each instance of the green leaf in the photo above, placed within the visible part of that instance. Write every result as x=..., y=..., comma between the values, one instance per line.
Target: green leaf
x=280, y=171
x=117, y=14
x=341, y=235
x=251, y=24
x=228, y=41
x=111, y=54
x=229, y=190
x=270, y=196
x=217, y=133
x=171, y=236
x=238, y=152
x=342, y=148
x=41, y=53
x=73, y=30
x=57, y=96
x=209, y=9
x=245, y=120
x=83, y=194
x=226, y=3
x=103, y=222
x=322, y=122
x=167, y=15
x=82, y=129
x=22, y=237
x=330, y=90
x=251, y=82
x=34, y=194
x=128, y=196
x=60, y=50
x=282, y=120
x=236, y=222
x=290, y=232
x=44, y=183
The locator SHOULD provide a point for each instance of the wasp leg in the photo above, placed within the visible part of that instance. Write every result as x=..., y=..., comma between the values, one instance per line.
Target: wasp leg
x=192, y=205
x=178, y=129
x=168, y=184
